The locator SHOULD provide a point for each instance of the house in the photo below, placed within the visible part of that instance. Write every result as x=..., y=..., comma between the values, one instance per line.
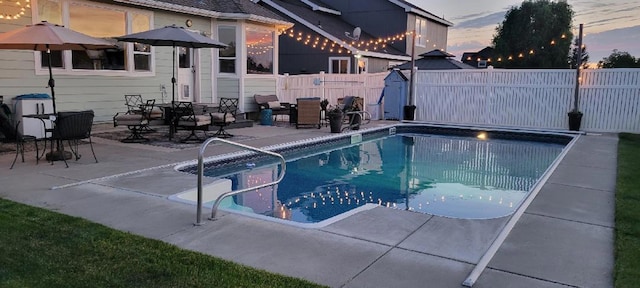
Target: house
x=480, y=59
x=435, y=60
x=350, y=37
x=98, y=81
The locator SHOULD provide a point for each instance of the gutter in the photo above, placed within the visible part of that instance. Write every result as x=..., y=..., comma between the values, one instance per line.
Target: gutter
x=206, y=13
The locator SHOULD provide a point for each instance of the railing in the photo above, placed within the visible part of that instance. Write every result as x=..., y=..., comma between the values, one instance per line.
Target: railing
x=214, y=209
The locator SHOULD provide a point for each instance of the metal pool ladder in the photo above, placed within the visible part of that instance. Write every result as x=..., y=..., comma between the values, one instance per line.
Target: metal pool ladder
x=214, y=210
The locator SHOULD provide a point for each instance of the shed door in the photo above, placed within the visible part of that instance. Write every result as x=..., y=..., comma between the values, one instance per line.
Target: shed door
x=394, y=100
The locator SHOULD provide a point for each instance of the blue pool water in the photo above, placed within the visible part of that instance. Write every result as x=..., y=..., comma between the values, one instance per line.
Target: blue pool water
x=451, y=176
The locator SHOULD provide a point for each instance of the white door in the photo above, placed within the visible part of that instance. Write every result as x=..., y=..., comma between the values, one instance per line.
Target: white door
x=186, y=74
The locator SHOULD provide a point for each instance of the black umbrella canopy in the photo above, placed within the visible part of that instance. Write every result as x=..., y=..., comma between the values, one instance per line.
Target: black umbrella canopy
x=172, y=36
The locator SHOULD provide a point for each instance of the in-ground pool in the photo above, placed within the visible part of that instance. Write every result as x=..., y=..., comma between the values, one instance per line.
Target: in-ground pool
x=435, y=170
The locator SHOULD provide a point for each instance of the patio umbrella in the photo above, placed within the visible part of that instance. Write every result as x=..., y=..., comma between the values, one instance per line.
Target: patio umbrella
x=45, y=36
x=172, y=36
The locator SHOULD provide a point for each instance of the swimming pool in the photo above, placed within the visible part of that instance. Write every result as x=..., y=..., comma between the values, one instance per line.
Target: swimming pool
x=459, y=173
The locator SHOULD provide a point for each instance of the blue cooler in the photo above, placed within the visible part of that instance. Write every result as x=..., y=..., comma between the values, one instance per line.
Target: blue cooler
x=265, y=117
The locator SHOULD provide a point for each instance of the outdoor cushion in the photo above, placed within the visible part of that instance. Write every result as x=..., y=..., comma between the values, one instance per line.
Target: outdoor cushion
x=200, y=120
x=130, y=119
x=220, y=117
x=274, y=105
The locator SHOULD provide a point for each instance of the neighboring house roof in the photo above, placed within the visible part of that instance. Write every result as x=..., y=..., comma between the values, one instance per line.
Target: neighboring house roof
x=472, y=58
x=221, y=9
x=330, y=26
x=408, y=7
x=435, y=60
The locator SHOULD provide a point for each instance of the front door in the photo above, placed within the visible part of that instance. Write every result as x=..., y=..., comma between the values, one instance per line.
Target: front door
x=186, y=74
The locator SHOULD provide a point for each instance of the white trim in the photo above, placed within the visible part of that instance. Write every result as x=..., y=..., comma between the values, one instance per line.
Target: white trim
x=421, y=12
x=316, y=7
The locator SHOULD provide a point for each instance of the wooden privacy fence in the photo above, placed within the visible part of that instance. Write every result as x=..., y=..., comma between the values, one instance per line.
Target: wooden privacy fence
x=609, y=98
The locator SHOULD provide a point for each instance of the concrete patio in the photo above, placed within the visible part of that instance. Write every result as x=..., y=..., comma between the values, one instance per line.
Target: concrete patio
x=564, y=239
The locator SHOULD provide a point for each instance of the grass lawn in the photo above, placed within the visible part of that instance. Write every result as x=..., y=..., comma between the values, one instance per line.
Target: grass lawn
x=40, y=248
x=627, y=270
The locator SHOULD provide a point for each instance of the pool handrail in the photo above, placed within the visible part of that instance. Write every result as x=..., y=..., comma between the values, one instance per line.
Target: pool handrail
x=214, y=209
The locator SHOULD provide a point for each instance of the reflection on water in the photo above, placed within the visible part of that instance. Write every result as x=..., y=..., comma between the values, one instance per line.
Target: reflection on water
x=445, y=176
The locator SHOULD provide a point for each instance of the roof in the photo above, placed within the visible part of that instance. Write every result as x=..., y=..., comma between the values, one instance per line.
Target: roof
x=332, y=27
x=435, y=60
x=222, y=9
x=408, y=7
x=437, y=54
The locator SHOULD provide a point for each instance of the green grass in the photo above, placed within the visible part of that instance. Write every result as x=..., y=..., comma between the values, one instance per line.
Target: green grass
x=627, y=270
x=40, y=248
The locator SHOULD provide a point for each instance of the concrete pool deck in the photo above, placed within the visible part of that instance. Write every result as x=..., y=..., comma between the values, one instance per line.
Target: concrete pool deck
x=565, y=237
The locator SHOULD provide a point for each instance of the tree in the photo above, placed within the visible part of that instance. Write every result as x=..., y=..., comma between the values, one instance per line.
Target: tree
x=573, y=59
x=535, y=35
x=619, y=59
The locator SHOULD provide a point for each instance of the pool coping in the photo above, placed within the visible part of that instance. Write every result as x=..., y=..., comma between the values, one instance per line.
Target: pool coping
x=582, y=170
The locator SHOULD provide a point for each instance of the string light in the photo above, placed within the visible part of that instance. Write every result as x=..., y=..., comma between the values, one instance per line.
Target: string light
x=21, y=10
x=552, y=42
x=345, y=46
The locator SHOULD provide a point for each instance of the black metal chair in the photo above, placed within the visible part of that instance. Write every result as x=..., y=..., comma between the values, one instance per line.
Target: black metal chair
x=225, y=116
x=73, y=127
x=186, y=118
x=137, y=118
x=12, y=134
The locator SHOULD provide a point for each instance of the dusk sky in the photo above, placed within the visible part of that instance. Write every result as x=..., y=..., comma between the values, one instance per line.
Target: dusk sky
x=608, y=24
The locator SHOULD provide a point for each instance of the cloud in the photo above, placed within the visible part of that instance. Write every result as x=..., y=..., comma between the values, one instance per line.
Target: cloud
x=492, y=19
x=601, y=45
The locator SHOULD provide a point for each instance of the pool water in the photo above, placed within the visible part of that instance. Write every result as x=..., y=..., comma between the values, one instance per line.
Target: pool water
x=450, y=176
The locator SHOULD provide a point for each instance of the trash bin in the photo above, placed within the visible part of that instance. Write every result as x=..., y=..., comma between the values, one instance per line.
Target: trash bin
x=265, y=117
x=374, y=110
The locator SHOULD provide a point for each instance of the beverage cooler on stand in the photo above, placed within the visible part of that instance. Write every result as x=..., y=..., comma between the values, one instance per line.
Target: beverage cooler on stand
x=33, y=104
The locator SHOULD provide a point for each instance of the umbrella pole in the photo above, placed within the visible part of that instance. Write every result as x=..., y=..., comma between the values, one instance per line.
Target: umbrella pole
x=52, y=83
x=173, y=93
x=59, y=154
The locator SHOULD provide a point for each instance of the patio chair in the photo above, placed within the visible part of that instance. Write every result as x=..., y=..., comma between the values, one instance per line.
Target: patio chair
x=73, y=127
x=226, y=115
x=352, y=114
x=272, y=102
x=308, y=112
x=135, y=105
x=136, y=119
x=10, y=133
x=186, y=117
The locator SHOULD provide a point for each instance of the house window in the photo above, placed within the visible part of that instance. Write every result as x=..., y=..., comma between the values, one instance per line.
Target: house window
x=102, y=23
x=259, y=51
x=52, y=12
x=227, y=56
x=98, y=21
x=421, y=32
x=339, y=65
x=141, y=52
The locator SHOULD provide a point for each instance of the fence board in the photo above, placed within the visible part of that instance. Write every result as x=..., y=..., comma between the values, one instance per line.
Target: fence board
x=609, y=98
